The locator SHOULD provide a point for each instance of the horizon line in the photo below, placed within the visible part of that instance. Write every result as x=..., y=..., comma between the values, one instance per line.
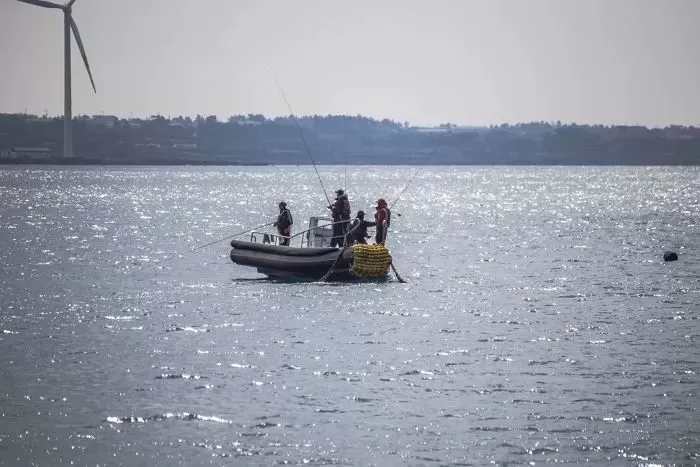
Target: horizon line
x=223, y=119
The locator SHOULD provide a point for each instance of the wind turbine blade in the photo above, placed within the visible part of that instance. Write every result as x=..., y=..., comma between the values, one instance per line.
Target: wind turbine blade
x=70, y=4
x=76, y=34
x=42, y=3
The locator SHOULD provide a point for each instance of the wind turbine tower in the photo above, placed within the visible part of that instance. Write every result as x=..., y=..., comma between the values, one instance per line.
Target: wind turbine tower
x=68, y=26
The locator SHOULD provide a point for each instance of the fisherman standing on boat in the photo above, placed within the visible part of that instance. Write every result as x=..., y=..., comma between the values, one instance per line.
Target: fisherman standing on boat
x=382, y=217
x=358, y=229
x=340, y=211
x=284, y=224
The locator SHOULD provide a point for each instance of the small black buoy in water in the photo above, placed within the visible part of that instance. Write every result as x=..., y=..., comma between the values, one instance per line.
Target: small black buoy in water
x=670, y=256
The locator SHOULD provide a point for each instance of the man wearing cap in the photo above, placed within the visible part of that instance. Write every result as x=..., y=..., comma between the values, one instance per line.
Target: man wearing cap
x=340, y=211
x=382, y=217
x=284, y=224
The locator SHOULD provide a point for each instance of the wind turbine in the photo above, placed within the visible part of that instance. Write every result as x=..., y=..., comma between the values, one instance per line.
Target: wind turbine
x=68, y=26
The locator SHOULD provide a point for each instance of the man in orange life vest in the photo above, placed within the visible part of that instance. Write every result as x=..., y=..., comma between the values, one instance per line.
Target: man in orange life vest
x=382, y=214
x=341, y=216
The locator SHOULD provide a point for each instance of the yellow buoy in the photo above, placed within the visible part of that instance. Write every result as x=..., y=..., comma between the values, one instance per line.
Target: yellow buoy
x=370, y=260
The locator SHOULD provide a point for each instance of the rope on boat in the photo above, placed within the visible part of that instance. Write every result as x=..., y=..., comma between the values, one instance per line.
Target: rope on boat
x=332, y=269
x=396, y=273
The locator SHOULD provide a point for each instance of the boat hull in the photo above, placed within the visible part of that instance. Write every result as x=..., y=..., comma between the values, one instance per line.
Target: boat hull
x=290, y=262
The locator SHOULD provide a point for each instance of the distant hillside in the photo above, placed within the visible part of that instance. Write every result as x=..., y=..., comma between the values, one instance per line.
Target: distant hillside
x=338, y=139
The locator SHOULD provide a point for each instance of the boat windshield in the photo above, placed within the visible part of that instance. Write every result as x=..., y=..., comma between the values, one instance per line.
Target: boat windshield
x=318, y=234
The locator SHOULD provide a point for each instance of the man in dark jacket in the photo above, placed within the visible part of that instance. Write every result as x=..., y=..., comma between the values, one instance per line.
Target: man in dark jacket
x=340, y=210
x=284, y=224
x=358, y=229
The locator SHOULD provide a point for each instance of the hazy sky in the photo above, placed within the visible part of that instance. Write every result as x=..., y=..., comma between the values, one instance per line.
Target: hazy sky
x=463, y=61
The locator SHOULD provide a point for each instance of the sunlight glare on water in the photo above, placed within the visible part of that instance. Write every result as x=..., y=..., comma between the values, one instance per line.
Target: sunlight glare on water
x=539, y=323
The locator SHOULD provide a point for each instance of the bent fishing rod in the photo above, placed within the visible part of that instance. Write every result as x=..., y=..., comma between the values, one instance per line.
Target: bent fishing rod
x=301, y=132
x=211, y=243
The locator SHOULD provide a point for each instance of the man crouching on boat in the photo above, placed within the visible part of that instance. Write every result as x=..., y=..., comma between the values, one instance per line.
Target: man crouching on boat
x=284, y=224
x=358, y=229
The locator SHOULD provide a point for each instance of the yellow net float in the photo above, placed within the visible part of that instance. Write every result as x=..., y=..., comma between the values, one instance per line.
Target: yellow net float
x=370, y=260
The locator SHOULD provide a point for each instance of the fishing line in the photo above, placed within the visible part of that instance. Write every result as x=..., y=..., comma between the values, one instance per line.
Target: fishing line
x=414, y=175
x=211, y=243
x=301, y=132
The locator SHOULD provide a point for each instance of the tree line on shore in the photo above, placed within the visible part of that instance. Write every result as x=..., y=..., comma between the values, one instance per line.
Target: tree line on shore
x=341, y=139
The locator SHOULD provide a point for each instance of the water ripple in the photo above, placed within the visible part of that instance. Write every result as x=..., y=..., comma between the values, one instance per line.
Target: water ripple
x=540, y=324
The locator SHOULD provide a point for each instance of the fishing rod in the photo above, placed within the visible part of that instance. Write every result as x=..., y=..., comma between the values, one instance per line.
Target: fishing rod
x=301, y=132
x=211, y=243
x=414, y=175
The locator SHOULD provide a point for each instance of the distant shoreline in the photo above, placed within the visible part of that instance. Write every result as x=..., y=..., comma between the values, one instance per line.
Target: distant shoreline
x=255, y=140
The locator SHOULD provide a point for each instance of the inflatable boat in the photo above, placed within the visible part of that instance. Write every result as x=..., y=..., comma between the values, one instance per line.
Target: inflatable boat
x=312, y=259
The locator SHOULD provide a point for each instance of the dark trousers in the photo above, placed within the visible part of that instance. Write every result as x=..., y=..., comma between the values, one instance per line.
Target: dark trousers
x=338, y=234
x=284, y=236
x=379, y=237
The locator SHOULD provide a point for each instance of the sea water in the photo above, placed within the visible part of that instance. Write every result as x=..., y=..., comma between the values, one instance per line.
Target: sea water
x=539, y=323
